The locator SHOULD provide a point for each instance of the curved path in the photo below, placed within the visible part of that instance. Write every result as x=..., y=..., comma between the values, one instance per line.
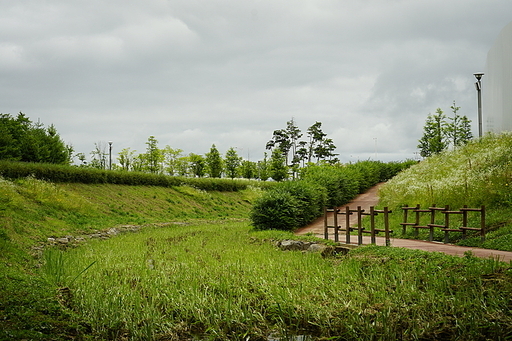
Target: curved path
x=370, y=198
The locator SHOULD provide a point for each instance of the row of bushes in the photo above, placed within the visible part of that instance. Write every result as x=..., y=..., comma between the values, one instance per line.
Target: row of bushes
x=293, y=204
x=70, y=174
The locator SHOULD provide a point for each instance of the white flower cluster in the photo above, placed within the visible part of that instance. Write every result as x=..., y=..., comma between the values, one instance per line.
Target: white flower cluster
x=471, y=175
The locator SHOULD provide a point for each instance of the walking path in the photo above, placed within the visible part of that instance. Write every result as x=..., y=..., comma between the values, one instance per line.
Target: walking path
x=370, y=198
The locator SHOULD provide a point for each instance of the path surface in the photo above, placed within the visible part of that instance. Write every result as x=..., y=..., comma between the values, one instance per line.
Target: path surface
x=370, y=198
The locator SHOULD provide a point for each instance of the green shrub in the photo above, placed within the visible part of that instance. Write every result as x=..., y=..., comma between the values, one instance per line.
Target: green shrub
x=276, y=209
x=341, y=184
x=288, y=205
x=293, y=204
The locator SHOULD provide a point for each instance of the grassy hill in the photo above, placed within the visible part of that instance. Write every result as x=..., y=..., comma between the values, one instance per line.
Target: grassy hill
x=479, y=173
x=32, y=210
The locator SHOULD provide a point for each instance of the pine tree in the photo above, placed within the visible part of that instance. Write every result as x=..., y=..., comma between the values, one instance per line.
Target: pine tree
x=434, y=135
x=278, y=168
x=214, y=163
x=232, y=163
x=459, y=129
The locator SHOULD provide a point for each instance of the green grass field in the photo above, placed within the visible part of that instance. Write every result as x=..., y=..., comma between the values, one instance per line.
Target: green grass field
x=197, y=270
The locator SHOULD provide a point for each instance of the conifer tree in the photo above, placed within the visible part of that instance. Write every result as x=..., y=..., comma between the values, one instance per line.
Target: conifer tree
x=232, y=163
x=278, y=168
x=214, y=163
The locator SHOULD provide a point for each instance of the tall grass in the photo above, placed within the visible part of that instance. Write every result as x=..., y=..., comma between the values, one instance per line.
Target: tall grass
x=476, y=174
x=225, y=282
x=479, y=173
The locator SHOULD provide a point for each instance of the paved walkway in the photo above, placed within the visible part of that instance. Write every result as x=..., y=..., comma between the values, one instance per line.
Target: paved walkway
x=370, y=198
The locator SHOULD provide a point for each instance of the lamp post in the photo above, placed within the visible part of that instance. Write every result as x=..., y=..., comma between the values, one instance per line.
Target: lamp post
x=375, y=150
x=478, y=86
x=110, y=155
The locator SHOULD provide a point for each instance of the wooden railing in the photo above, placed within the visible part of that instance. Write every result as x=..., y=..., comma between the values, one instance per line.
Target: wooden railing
x=415, y=223
x=347, y=228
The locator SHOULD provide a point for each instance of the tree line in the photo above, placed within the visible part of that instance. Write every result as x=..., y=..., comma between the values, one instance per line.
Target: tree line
x=288, y=154
x=173, y=162
x=290, y=150
x=24, y=140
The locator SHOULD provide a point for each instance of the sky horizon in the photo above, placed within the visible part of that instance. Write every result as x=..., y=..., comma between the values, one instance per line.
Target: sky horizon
x=224, y=72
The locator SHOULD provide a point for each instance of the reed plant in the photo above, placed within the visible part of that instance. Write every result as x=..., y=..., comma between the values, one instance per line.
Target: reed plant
x=224, y=281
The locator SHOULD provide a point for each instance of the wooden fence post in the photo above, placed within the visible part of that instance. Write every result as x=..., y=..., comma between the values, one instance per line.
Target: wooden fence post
x=326, y=225
x=372, y=225
x=359, y=225
x=482, y=223
x=386, y=226
x=347, y=224
x=336, y=227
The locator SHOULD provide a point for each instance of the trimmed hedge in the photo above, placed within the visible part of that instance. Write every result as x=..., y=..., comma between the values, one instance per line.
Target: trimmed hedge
x=71, y=174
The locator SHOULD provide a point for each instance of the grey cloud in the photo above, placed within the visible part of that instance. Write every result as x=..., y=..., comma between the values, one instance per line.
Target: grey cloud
x=193, y=73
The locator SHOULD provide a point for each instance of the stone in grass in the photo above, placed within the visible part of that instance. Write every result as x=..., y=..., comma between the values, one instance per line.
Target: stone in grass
x=293, y=245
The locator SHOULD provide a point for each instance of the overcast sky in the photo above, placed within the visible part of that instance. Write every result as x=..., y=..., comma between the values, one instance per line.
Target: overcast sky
x=229, y=72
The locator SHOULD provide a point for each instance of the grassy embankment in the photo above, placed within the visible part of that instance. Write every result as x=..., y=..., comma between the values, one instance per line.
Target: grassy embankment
x=32, y=210
x=479, y=173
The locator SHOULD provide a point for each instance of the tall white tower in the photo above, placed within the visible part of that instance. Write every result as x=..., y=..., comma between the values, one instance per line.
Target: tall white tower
x=497, y=84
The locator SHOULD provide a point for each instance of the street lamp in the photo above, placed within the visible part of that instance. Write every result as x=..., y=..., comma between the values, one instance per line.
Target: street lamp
x=375, y=150
x=478, y=86
x=110, y=155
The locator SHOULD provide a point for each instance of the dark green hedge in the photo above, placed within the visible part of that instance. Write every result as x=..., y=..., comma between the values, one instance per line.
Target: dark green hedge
x=288, y=205
x=71, y=174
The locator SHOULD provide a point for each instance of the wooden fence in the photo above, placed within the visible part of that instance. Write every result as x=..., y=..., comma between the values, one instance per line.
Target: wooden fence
x=359, y=228
x=414, y=223
x=446, y=227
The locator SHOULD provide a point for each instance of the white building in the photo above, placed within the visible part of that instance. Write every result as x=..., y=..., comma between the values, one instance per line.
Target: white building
x=497, y=84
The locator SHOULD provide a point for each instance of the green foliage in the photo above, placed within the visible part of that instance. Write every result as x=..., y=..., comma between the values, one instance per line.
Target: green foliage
x=297, y=152
x=154, y=156
x=293, y=204
x=438, y=133
x=278, y=170
x=263, y=169
x=232, y=163
x=276, y=209
x=197, y=165
x=433, y=140
x=214, y=165
x=249, y=169
x=23, y=140
x=69, y=174
x=344, y=182
x=340, y=183
x=288, y=205
x=459, y=129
